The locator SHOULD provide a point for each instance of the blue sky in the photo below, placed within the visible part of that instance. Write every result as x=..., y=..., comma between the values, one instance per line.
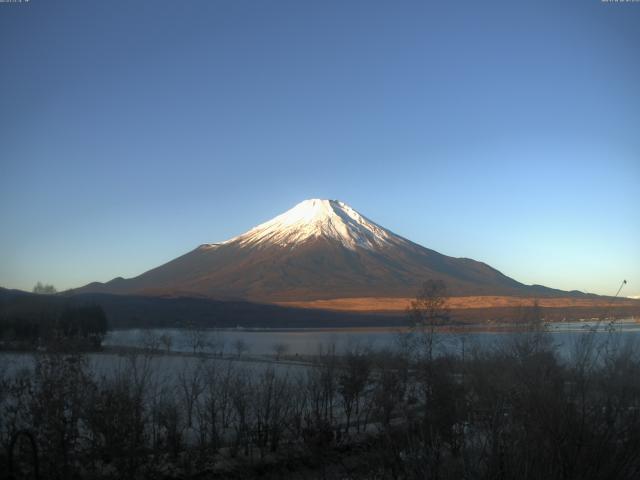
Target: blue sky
x=504, y=131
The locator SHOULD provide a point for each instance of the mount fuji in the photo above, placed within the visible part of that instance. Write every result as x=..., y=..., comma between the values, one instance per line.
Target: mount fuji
x=318, y=250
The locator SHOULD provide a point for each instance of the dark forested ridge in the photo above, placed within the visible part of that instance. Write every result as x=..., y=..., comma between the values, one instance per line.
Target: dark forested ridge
x=128, y=311
x=27, y=320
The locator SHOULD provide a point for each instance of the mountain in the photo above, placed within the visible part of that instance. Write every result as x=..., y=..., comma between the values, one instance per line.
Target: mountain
x=319, y=249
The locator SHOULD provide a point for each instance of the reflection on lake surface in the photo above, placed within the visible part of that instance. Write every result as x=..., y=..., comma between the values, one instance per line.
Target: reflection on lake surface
x=309, y=341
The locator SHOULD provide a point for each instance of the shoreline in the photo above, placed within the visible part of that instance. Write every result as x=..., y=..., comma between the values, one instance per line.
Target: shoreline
x=489, y=327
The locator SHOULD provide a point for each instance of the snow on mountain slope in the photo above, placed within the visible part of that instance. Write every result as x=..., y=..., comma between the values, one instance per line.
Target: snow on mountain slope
x=314, y=218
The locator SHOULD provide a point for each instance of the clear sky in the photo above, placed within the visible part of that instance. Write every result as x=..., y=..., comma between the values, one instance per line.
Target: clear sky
x=504, y=131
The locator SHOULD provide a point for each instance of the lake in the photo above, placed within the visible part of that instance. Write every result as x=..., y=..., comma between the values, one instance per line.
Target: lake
x=311, y=341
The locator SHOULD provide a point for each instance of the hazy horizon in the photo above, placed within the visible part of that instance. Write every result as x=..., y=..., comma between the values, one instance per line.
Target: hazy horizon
x=502, y=132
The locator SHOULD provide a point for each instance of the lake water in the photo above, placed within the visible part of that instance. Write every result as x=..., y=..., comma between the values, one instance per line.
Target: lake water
x=259, y=353
x=311, y=341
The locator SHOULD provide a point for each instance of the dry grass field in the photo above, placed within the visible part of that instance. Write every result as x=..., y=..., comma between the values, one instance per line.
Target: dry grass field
x=389, y=304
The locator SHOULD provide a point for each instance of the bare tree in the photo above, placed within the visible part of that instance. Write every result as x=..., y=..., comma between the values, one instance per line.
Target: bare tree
x=390, y=386
x=191, y=387
x=280, y=349
x=116, y=423
x=271, y=409
x=215, y=407
x=353, y=379
x=240, y=394
x=240, y=346
x=299, y=403
x=166, y=340
x=170, y=425
x=61, y=384
x=149, y=341
x=531, y=338
x=217, y=342
x=428, y=312
x=44, y=289
x=196, y=338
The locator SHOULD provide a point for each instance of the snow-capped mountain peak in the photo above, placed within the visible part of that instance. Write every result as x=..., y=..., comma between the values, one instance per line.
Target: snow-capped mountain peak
x=320, y=249
x=314, y=218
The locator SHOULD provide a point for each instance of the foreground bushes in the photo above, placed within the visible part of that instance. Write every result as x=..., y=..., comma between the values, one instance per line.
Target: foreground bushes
x=514, y=411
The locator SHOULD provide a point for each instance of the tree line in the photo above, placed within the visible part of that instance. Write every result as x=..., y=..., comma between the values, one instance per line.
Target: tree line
x=37, y=325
